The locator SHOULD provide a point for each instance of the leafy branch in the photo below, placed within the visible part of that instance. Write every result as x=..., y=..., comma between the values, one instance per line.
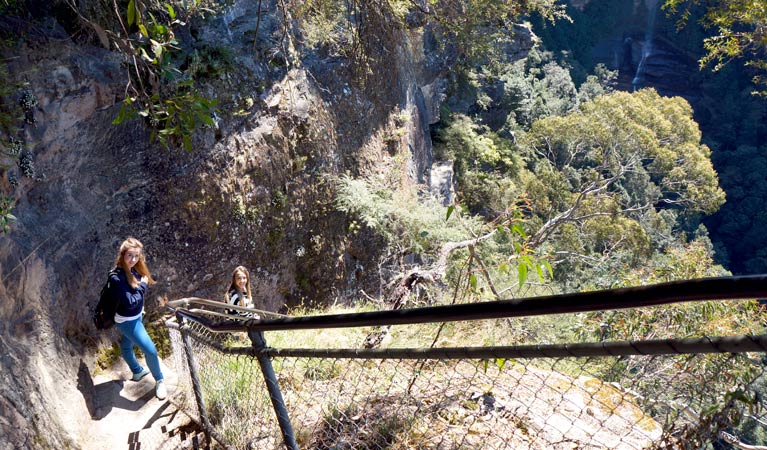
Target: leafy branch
x=157, y=89
x=6, y=218
x=741, y=32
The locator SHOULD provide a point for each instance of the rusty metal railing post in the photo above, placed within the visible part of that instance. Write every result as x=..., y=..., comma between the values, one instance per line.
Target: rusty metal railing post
x=259, y=344
x=184, y=330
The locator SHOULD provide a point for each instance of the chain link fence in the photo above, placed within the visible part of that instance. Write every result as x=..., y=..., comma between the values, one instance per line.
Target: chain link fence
x=692, y=393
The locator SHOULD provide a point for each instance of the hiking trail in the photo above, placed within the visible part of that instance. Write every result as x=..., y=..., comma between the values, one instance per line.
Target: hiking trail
x=125, y=414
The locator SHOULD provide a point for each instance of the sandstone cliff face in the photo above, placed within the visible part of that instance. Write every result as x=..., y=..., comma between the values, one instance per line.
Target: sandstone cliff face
x=645, y=47
x=257, y=191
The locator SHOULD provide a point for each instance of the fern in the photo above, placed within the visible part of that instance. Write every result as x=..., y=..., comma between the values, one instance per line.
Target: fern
x=403, y=218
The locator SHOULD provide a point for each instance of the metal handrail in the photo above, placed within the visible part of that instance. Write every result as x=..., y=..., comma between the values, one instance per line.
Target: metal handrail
x=189, y=310
x=719, y=288
x=186, y=302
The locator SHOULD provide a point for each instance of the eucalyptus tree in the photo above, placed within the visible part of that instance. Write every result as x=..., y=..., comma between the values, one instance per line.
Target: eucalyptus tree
x=600, y=177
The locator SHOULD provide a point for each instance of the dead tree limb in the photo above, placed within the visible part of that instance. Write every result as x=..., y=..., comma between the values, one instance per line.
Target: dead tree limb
x=402, y=289
x=409, y=281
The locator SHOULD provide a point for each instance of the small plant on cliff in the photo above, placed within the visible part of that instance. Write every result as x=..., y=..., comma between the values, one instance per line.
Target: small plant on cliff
x=107, y=357
x=161, y=86
x=6, y=218
x=11, y=115
x=12, y=119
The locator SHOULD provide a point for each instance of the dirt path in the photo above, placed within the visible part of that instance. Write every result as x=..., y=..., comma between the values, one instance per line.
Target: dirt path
x=127, y=415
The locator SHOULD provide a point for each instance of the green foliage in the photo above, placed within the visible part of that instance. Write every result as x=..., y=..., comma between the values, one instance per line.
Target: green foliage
x=729, y=115
x=11, y=113
x=600, y=83
x=607, y=185
x=6, y=218
x=507, y=260
x=740, y=224
x=662, y=379
x=556, y=89
x=475, y=146
x=681, y=262
x=157, y=330
x=327, y=24
x=622, y=132
x=174, y=118
x=487, y=193
x=482, y=34
x=416, y=225
x=107, y=357
x=739, y=28
x=16, y=105
x=576, y=38
x=485, y=164
x=16, y=111
x=405, y=221
x=336, y=26
x=356, y=30
x=162, y=84
x=511, y=95
x=600, y=176
x=233, y=396
x=210, y=61
x=749, y=429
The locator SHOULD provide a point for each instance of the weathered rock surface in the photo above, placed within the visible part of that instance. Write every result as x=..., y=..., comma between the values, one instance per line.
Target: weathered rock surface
x=646, y=52
x=256, y=191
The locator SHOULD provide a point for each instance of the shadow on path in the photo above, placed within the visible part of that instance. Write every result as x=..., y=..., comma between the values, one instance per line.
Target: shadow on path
x=103, y=397
x=125, y=415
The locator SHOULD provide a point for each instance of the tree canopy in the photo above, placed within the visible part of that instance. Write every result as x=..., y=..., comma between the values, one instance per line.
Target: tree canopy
x=623, y=136
x=600, y=176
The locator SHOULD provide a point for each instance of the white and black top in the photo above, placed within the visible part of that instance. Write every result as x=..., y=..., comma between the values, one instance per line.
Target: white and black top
x=238, y=298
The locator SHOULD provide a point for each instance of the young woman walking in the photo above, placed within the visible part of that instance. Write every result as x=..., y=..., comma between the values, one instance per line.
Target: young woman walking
x=128, y=285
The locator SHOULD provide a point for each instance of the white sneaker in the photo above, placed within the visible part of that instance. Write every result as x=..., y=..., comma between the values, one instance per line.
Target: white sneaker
x=138, y=376
x=159, y=390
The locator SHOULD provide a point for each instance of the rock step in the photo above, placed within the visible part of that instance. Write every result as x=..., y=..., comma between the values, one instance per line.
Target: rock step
x=169, y=429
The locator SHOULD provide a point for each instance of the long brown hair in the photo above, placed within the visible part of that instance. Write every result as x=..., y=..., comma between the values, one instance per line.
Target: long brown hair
x=233, y=285
x=140, y=267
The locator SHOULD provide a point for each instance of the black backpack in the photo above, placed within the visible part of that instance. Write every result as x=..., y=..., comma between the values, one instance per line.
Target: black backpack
x=104, y=314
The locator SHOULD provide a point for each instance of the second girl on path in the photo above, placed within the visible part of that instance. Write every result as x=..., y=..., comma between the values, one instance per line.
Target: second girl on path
x=128, y=284
x=238, y=293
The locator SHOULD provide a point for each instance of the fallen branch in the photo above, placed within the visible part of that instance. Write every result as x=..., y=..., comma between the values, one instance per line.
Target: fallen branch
x=405, y=286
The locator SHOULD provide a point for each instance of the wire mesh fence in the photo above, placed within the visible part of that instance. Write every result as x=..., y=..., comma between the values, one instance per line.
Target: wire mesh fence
x=693, y=393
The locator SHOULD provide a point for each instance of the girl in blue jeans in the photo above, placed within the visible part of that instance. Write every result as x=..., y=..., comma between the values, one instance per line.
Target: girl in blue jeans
x=127, y=286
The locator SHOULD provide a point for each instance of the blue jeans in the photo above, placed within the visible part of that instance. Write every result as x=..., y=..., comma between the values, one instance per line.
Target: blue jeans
x=134, y=333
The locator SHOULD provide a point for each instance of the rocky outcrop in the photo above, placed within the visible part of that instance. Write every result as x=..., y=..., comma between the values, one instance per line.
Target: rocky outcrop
x=257, y=190
x=645, y=50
